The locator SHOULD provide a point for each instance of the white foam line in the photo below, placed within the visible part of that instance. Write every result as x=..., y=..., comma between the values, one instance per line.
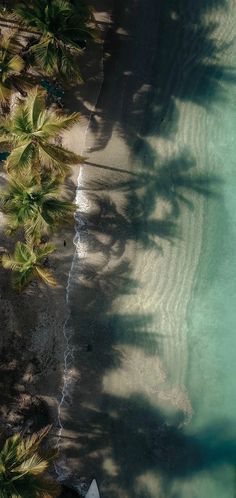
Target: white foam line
x=67, y=332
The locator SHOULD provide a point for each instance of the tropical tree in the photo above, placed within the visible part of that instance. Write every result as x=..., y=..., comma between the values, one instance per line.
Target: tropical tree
x=27, y=263
x=35, y=207
x=23, y=465
x=11, y=66
x=59, y=27
x=29, y=134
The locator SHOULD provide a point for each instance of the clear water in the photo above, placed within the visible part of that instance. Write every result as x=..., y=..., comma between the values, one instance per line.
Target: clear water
x=212, y=314
x=153, y=289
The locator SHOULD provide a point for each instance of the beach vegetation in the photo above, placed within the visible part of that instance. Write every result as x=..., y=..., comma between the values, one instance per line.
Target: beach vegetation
x=59, y=28
x=28, y=262
x=30, y=133
x=37, y=208
x=37, y=37
x=11, y=67
x=24, y=467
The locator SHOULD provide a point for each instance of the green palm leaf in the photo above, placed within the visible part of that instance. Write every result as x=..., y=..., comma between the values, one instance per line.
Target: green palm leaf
x=45, y=53
x=57, y=123
x=53, y=154
x=11, y=66
x=22, y=468
x=5, y=92
x=31, y=129
x=27, y=263
x=35, y=105
x=60, y=27
x=15, y=65
x=20, y=157
x=37, y=208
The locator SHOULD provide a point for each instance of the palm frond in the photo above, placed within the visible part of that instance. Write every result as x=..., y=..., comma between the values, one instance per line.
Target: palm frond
x=21, y=279
x=68, y=66
x=8, y=262
x=35, y=104
x=5, y=126
x=24, y=254
x=44, y=250
x=56, y=123
x=33, y=465
x=27, y=263
x=60, y=28
x=20, y=124
x=5, y=93
x=55, y=154
x=15, y=65
x=11, y=64
x=46, y=276
x=22, y=464
x=20, y=157
x=45, y=53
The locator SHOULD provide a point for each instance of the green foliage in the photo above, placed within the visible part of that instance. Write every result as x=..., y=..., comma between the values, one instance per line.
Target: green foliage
x=36, y=208
x=27, y=263
x=22, y=468
x=37, y=163
x=60, y=27
x=11, y=66
x=29, y=133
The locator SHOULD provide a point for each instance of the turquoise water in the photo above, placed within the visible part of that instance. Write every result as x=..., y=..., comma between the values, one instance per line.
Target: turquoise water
x=212, y=314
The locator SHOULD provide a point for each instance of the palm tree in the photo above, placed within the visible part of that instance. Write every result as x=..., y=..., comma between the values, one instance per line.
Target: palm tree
x=59, y=26
x=11, y=66
x=35, y=207
x=23, y=467
x=27, y=263
x=29, y=133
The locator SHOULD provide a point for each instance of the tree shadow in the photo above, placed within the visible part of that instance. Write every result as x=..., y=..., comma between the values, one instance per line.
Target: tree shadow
x=133, y=436
x=134, y=217
x=122, y=428
x=118, y=439
x=173, y=36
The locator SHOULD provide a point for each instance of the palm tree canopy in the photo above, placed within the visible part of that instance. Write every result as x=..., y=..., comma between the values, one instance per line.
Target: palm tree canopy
x=11, y=65
x=27, y=263
x=61, y=27
x=29, y=132
x=22, y=468
x=35, y=207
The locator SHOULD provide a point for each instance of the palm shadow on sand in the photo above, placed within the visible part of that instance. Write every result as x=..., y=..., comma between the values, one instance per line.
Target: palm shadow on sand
x=140, y=101
x=131, y=431
x=134, y=433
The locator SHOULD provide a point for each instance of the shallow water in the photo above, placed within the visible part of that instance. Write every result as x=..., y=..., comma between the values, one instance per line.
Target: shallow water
x=152, y=292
